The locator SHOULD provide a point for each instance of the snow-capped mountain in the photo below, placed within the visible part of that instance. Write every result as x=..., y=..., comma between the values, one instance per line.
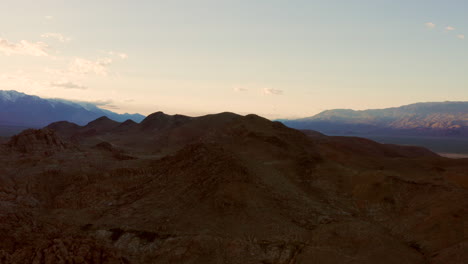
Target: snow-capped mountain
x=19, y=109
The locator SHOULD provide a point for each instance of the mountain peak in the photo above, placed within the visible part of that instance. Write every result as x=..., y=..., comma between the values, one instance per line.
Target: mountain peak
x=62, y=125
x=11, y=95
x=160, y=120
x=102, y=118
x=158, y=114
x=129, y=122
x=126, y=126
x=103, y=123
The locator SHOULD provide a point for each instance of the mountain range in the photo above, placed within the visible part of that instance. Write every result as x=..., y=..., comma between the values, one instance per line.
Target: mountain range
x=420, y=119
x=19, y=111
x=225, y=188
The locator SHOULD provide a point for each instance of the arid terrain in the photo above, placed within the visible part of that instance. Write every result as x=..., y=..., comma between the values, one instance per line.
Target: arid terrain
x=225, y=188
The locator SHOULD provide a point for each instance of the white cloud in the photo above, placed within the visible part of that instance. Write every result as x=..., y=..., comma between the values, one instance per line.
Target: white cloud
x=107, y=104
x=23, y=48
x=270, y=91
x=68, y=85
x=49, y=17
x=240, y=89
x=56, y=36
x=84, y=66
x=450, y=28
x=110, y=107
x=23, y=81
x=430, y=25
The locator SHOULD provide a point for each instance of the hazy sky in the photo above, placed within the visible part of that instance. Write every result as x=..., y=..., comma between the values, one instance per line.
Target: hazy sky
x=288, y=58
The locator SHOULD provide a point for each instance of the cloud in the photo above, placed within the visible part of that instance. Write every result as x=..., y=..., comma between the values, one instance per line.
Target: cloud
x=108, y=104
x=101, y=102
x=121, y=55
x=49, y=17
x=20, y=80
x=23, y=48
x=270, y=91
x=430, y=25
x=111, y=107
x=84, y=66
x=449, y=28
x=129, y=100
x=240, y=89
x=68, y=85
x=56, y=36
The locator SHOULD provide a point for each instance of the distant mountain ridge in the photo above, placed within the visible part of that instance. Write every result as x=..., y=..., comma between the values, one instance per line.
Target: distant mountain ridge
x=19, y=110
x=428, y=119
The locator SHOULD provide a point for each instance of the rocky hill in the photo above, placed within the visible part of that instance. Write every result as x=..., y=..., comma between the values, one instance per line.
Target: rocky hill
x=428, y=119
x=226, y=188
x=32, y=140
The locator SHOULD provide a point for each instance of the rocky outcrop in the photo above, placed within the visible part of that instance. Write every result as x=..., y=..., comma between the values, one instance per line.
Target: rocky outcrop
x=37, y=140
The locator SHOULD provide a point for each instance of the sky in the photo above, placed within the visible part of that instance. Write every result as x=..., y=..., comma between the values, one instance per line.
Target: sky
x=275, y=58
